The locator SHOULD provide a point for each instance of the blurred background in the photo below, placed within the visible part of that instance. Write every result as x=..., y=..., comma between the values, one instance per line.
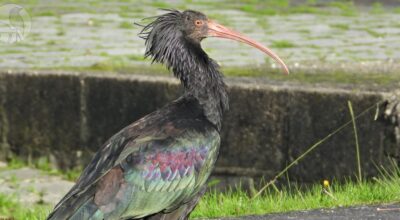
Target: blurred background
x=72, y=73
x=101, y=35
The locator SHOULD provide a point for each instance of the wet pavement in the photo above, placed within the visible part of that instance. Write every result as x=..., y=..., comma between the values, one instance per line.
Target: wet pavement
x=372, y=212
x=104, y=34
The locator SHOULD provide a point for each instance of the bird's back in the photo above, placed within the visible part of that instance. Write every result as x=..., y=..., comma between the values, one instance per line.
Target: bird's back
x=154, y=165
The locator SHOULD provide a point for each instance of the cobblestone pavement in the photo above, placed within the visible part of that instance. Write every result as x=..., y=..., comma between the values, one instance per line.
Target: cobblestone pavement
x=101, y=32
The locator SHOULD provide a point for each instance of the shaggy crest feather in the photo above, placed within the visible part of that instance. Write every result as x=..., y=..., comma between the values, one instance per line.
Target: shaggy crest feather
x=166, y=43
x=156, y=168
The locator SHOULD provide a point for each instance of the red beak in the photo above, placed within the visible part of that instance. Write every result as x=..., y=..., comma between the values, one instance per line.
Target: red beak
x=217, y=30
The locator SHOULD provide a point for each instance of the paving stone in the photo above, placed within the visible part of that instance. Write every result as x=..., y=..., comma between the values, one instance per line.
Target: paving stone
x=89, y=33
x=31, y=186
x=3, y=164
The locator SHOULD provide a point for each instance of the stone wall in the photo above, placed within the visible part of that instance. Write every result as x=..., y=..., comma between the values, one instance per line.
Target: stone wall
x=68, y=116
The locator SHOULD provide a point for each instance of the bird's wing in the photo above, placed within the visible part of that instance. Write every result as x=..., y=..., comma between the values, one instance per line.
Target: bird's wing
x=144, y=174
x=103, y=161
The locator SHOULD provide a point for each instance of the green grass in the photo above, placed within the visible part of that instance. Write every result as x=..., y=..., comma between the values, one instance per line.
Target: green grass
x=282, y=44
x=304, y=9
x=396, y=10
x=340, y=26
x=329, y=76
x=383, y=190
x=271, y=7
x=44, y=165
x=346, y=8
x=257, y=7
x=117, y=63
x=126, y=25
x=46, y=13
x=123, y=65
x=374, y=33
x=10, y=208
x=160, y=4
x=377, y=8
x=60, y=32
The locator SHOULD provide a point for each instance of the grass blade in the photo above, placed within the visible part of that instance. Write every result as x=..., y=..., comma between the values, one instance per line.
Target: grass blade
x=356, y=140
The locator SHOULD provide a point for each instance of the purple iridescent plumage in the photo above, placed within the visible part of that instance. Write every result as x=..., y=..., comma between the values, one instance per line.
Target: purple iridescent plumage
x=168, y=164
x=157, y=167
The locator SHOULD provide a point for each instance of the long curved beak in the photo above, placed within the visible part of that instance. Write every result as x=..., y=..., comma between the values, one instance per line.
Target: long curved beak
x=217, y=30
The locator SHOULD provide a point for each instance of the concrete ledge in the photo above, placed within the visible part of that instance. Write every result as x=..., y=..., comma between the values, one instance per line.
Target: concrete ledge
x=42, y=115
x=69, y=116
x=113, y=103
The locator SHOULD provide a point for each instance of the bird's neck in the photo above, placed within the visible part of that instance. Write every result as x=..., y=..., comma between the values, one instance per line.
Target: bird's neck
x=202, y=80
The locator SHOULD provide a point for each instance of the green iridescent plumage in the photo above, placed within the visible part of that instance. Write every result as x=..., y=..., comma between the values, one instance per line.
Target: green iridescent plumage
x=139, y=196
x=152, y=170
x=156, y=168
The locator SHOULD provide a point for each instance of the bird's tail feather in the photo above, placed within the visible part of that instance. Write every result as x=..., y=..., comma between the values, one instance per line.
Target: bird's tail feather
x=82, y=205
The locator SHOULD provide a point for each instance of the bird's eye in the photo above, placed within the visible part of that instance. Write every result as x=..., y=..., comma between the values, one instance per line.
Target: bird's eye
x=198, y=22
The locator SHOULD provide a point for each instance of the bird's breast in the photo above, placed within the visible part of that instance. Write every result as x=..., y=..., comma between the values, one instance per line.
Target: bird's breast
x=166, y=177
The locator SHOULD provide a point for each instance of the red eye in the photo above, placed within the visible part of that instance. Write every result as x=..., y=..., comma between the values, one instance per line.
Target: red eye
x=199, y=22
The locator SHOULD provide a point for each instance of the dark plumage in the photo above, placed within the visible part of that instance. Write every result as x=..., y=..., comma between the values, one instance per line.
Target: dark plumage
x=156, y=167
x=183, y=54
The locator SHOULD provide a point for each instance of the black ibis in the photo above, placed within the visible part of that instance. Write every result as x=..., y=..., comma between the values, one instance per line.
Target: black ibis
x=156, y=168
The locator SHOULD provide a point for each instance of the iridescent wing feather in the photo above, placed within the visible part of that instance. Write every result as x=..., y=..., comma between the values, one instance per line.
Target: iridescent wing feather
x=142, y=175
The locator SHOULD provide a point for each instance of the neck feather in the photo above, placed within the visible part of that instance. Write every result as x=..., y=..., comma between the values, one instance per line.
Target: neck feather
x=201, y=79
x=198, y=73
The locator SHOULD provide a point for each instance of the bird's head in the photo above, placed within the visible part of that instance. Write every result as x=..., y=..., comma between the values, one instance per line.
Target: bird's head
x=167, y=31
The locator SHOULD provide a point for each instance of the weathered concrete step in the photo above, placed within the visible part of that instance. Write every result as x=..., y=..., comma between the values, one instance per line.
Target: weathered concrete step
x=69, y=115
